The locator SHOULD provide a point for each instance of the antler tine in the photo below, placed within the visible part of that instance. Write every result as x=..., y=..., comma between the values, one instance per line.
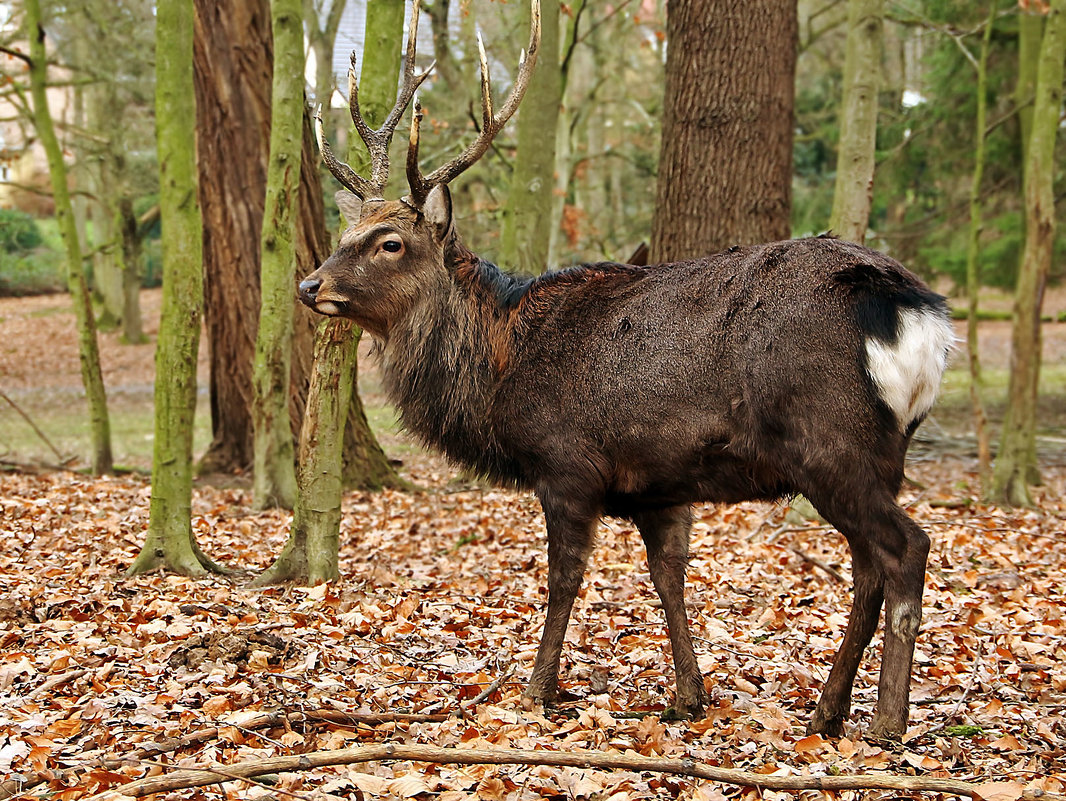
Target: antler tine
x=419, y=189
x=493, y=121
x=348, y=177
x=486, y=83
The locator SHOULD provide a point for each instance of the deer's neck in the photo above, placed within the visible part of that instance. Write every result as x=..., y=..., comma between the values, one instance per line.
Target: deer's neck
x=442, y=364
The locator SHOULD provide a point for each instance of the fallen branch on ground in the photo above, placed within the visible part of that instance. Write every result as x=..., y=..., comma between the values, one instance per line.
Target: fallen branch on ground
x=14, y=787
x=209, y=774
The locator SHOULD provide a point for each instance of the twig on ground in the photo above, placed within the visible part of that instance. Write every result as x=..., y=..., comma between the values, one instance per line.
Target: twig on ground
x=466, y=706
x=814, y=560
x=34, y=426
x=13, y=787
x=212, y=774
x=56, y=681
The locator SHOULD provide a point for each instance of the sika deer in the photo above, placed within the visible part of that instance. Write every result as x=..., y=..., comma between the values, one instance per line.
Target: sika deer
x=606, y=389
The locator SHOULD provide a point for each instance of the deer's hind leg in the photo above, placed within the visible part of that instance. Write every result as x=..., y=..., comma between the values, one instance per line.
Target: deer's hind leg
x=666, y=534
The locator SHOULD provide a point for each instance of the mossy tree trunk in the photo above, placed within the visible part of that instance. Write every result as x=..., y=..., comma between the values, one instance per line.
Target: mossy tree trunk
x=525, y=226
x=88, y=350
x=853, y=190
x=973, y=277
x=274, y=474
x=310, y=554
x=170, y=543
x=334, y=415
x=1014, y=461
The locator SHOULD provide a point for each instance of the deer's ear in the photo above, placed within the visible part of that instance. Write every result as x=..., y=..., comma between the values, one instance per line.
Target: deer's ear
x=350, y=204
x=438, y=211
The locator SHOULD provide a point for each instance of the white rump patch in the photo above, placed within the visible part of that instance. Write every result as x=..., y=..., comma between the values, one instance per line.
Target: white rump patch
x=907, y=373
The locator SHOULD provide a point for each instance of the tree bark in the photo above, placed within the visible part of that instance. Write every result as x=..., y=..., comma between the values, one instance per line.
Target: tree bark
x=232, y=58
x=88, y=349
x=170, y=543
x=321, y=36
x=525, y=226
x=973, y=277
x=725, y=165
x=853, y=190
x=311, y=553
x=274, y=473
x=365, y=465
x=1014, y=459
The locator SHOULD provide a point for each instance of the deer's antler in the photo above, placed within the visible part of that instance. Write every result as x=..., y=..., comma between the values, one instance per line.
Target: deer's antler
x=377, y=141
x=491, y=122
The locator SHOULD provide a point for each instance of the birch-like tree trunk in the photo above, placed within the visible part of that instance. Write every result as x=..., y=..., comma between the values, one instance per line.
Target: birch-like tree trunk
x=1014, y=459
x=853, y=190
x=88, y=349
x=525, y=226
x=274, y=472
x=170, y=543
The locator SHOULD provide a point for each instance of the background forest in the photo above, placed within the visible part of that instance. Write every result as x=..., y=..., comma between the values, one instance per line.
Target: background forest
x=159, y=178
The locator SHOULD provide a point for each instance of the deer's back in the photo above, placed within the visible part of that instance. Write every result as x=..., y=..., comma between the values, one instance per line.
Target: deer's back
x=714, y=379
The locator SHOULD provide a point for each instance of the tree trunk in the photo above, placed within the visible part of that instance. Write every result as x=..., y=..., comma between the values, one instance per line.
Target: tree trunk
x=725, y=165
x=132, y=326
x=1013, y=462
x=232, y=59
x=170, y=543
x=525, y=227
x=853, y=190
x=321, y=36
x=274, y=475
x=973, y=277
x=310, y=554
x=326, y=454
x=88, y=350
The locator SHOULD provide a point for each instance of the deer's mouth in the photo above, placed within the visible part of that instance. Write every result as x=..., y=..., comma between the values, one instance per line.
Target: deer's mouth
x=331, y=307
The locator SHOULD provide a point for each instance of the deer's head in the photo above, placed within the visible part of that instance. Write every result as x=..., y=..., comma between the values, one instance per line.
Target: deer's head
x=393, y=249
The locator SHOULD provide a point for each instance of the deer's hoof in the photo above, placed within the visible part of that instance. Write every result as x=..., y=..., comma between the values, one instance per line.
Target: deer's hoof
x=826, y=725
x=689, y=706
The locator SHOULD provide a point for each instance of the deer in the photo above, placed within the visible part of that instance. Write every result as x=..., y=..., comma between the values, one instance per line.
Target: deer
x=761, y=372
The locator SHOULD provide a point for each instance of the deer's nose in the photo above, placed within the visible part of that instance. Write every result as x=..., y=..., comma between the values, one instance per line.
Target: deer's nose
x=309, y=288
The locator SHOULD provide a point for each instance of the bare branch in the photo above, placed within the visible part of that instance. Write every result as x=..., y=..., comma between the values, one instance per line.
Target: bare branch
x=212, y=774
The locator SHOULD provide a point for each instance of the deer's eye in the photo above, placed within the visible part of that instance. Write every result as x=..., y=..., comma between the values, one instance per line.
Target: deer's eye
x=392, y=245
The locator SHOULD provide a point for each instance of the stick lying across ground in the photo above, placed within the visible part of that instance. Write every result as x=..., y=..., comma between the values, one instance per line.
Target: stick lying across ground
x=207, y=774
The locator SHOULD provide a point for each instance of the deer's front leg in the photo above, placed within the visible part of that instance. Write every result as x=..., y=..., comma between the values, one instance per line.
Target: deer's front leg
x=571, y=530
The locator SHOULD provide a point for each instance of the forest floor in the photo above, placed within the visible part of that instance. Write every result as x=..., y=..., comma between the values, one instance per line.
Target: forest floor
x=105, y=678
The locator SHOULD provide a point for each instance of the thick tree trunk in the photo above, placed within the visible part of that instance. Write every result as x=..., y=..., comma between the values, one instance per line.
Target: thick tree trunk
x=274, y=475
x=1014, y=460
x=725, y=169
x=525, y=227
x=170, y=543
x=88, y=350
x=853, y=191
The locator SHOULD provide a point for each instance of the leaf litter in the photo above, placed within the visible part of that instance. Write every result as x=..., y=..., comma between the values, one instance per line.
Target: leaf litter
x=443, y=591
